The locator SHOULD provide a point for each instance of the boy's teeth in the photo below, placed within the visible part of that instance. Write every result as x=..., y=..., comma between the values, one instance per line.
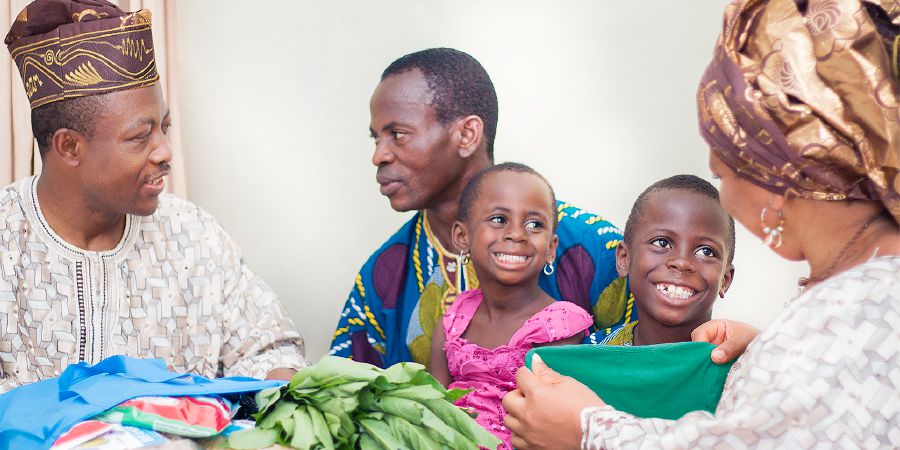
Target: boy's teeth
x=674, y=291
x=510, y=258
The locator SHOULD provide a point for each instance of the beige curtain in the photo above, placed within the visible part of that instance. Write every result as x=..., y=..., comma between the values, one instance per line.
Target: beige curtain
x=21, y=157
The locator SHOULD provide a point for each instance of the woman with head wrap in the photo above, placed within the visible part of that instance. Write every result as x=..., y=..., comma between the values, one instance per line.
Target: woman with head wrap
x=801, y=109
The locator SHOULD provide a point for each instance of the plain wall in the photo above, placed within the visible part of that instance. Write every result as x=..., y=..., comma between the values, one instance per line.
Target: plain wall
x=599, y=96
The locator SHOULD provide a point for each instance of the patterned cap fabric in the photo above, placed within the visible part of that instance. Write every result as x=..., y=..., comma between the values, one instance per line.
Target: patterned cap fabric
x=73, y=48
x=801, y=98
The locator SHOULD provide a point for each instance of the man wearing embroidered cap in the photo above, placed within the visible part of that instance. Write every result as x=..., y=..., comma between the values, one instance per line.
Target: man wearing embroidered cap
x=96, y=259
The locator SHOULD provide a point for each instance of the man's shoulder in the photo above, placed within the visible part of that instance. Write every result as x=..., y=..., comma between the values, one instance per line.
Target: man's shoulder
x=11, y=197
x=402, y=239
x=182, y=214
x=576, y=222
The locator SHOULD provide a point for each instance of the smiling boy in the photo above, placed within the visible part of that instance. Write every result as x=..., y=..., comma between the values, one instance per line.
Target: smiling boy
x=677, y=257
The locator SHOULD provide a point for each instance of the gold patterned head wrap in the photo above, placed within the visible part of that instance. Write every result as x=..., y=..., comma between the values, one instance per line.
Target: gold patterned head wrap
x=801, y=98
x=73, y=48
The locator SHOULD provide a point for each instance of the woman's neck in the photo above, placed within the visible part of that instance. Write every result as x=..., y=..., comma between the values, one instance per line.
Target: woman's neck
x=830, y=251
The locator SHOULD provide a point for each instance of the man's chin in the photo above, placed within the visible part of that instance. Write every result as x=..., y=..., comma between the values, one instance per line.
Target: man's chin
x=402, y=205
x=145, y=209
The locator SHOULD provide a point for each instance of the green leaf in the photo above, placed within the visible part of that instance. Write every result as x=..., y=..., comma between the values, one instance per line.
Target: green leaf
x=457, y=419
x=283, y=409
x=416, y=393
x=252, y=438
x=320, y=428
x=416, y=437
x=381, y=433
x=304, y=436
x=266, y=398
x=407, y=409
x=452, y=395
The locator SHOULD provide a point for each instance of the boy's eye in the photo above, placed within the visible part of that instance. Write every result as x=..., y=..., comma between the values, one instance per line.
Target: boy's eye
x=497, y=219
x=661, y=242
x=534, y=224
x=706, y=251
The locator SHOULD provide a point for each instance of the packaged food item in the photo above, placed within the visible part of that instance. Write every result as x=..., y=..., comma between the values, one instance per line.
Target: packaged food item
x=183, y=416
x=97, y=435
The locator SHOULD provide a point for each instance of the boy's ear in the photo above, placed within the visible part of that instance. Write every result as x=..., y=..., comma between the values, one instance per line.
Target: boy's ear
x=551, y=251
x=622, y=259
x=460, y=237
x=726, y=280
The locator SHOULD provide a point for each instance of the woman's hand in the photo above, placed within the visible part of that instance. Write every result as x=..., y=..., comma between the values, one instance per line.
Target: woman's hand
x=545, y=411
x=731, y=337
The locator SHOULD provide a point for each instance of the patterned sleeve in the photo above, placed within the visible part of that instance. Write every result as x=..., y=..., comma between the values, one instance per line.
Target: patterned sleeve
x=823, y=373
x=358, y=335
x=586, y=264
x=258, y=333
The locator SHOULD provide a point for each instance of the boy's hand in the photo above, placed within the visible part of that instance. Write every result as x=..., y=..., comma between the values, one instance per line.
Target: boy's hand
x=731, y=337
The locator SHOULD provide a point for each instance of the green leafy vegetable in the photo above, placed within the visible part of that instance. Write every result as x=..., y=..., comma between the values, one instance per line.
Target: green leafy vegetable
x=342, y=404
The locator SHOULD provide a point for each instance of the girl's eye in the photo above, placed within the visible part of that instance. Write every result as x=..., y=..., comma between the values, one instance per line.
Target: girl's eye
x=534, y=224
x=661, y=242
x=706, y=251
x=497, y=219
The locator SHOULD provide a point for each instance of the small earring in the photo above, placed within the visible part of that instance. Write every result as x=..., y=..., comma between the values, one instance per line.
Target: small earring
x=774, y=237
x=548, y=269
x=463, y=258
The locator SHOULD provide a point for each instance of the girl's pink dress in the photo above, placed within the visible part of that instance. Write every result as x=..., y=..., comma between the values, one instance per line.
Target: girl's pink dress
x=492, y=372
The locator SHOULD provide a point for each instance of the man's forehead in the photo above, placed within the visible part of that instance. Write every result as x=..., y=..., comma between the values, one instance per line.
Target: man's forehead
x=408, y=88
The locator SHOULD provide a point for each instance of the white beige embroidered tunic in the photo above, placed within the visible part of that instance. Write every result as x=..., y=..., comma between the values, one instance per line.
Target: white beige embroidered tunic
x=826, y=374
x=174, y=288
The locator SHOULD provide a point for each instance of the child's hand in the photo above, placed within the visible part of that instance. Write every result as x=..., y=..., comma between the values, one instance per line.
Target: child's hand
x=731, y=337
x=545, y=411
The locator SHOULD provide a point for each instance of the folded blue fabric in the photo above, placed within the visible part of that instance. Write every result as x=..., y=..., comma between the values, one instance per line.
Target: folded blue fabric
x=33, y=416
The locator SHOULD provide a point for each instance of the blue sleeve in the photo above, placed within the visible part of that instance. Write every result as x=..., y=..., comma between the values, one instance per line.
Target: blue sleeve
x=359, y=335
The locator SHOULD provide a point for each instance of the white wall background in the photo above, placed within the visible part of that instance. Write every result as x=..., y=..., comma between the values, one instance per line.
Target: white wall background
x=596, y=95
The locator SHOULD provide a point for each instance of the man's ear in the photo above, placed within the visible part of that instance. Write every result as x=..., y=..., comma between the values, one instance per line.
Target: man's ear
x=68, y=145
x=460, y=237
x=726, y=280
x=471, y=133
x=622, y=259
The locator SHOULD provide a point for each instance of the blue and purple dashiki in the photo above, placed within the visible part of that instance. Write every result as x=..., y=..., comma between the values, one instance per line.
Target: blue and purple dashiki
x=405, y=287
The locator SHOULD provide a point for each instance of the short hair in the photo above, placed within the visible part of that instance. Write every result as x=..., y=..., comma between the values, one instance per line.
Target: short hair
x=689, y=183
x=459, y=87
x=473, y=188
x=79, y=114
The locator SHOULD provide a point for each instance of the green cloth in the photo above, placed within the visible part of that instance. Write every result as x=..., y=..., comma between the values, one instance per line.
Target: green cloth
x=664, y=380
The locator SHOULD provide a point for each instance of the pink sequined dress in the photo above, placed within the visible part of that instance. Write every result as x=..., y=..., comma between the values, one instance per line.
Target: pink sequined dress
x=492, y=372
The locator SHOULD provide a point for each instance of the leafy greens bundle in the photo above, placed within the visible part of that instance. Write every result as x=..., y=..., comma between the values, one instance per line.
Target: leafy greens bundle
x=342, y=404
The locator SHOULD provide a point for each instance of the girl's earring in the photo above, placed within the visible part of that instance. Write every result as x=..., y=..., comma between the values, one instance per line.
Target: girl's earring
x=463, y=258
x=548, y=269
x=773, y=234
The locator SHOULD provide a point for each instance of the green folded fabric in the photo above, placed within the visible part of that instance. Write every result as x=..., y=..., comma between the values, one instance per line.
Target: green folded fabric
x=665, y=380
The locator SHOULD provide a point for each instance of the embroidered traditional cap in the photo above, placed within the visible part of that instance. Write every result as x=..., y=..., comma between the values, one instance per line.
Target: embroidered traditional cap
x=74, y=48
x=802, y=98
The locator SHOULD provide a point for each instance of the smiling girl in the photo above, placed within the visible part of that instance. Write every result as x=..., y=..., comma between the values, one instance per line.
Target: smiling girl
x=506, y=226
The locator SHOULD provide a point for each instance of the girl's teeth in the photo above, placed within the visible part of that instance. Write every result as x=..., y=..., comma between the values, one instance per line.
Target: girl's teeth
x=510, y=258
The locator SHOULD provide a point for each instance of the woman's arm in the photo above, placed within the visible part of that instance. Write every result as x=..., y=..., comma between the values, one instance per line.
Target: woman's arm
x=438, y=365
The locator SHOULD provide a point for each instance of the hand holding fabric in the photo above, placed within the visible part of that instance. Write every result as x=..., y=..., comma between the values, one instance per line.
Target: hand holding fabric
x=545, y=411
x=731, y=337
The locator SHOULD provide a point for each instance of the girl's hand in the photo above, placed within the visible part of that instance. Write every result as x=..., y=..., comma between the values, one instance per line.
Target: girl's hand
x=545, y=411
x=732, y=338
